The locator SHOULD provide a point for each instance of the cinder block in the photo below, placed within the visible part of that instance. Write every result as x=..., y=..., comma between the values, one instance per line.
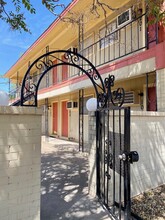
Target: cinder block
x=4, y=213
x=4, y=181
x=12, y=156
x=13, y=163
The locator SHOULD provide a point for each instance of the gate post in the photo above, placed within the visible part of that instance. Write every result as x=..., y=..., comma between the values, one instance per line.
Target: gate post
x=98, y=146
x=127, y=188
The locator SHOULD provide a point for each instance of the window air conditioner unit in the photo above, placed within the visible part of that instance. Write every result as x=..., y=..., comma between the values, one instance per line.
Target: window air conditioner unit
x=71, y=105
x=131, y=97
x=124, y=18
x=72, y=49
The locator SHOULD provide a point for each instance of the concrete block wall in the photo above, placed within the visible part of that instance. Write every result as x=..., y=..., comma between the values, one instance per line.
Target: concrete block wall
x=148, y=139
x=160, y=91
x=20, y=158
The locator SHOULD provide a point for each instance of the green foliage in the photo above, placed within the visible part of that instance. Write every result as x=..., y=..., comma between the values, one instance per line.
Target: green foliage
x=155, y=11
x=16, y=19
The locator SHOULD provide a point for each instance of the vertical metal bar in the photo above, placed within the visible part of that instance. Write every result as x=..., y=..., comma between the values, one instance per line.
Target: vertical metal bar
x=104, y=47
x=125, y=38
x=81, y=120
x=104, y=176
x=47, y=74
x=81, y=40
x=114, y=161
x=109, y=49
x=131, y=37
x=100, y=45
x=146, y=32
x=119, y=41
x=82, y=141
x=81, y=34
x=114, y=48
x=98, y=153
x=127, y=188
x=108, y=139
x=138, y=33
x=120, y=165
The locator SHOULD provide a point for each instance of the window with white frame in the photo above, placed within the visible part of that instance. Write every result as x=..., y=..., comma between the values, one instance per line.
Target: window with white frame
x=108, y=34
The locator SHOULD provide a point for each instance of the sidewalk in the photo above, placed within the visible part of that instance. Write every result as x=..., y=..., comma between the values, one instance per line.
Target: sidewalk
x=64, y=184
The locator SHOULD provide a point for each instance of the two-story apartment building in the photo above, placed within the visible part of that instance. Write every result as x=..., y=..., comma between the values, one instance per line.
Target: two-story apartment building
x=123, y=44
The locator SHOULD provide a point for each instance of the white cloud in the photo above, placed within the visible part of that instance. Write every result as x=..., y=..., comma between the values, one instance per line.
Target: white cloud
x=14, y=43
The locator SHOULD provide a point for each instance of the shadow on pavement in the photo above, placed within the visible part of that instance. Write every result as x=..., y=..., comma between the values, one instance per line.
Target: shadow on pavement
x=64, y=185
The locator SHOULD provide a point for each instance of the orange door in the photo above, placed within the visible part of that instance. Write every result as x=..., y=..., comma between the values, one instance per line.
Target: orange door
x=55, y=117
x=55, y=73
x=64, y=120
x=152, y=99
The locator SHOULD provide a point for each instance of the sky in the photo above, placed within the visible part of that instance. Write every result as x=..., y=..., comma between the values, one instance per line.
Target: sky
x=13, y=43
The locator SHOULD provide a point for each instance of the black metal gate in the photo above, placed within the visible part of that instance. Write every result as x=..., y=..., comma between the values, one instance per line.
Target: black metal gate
x=114, y=158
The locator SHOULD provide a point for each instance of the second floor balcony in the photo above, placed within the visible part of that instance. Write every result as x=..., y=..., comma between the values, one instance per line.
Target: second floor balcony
x=122, y=41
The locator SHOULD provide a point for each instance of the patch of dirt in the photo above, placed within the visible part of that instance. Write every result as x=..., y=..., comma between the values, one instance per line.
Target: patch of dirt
x=151, y=204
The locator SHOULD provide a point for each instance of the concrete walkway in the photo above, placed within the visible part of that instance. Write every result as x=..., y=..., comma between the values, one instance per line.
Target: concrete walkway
x=64, y=184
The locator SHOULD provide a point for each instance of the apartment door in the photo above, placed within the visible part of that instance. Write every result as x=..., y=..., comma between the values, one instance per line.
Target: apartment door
x=55, y=117
x=64, y=119
x=152, y=98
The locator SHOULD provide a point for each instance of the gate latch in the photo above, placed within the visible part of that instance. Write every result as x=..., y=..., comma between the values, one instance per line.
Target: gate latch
x=132, y=157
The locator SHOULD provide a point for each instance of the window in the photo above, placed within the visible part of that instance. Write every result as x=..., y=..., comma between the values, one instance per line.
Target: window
x=88, y=48
x=108, y=35
x=124, y=18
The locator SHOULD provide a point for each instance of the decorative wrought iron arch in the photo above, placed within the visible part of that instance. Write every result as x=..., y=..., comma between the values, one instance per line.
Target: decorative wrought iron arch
x=44, y=63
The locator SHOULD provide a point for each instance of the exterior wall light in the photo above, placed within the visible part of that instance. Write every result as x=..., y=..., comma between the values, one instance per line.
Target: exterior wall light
x=91, y=105
x=4, y=98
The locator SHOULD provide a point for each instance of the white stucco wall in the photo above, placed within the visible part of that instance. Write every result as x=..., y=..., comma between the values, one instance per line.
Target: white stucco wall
x=160, y=89
x=148, y=139
x=20, y=159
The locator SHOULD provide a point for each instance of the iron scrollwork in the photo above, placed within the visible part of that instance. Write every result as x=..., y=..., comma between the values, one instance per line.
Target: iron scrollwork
x=115, y=97
x=45, y=63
